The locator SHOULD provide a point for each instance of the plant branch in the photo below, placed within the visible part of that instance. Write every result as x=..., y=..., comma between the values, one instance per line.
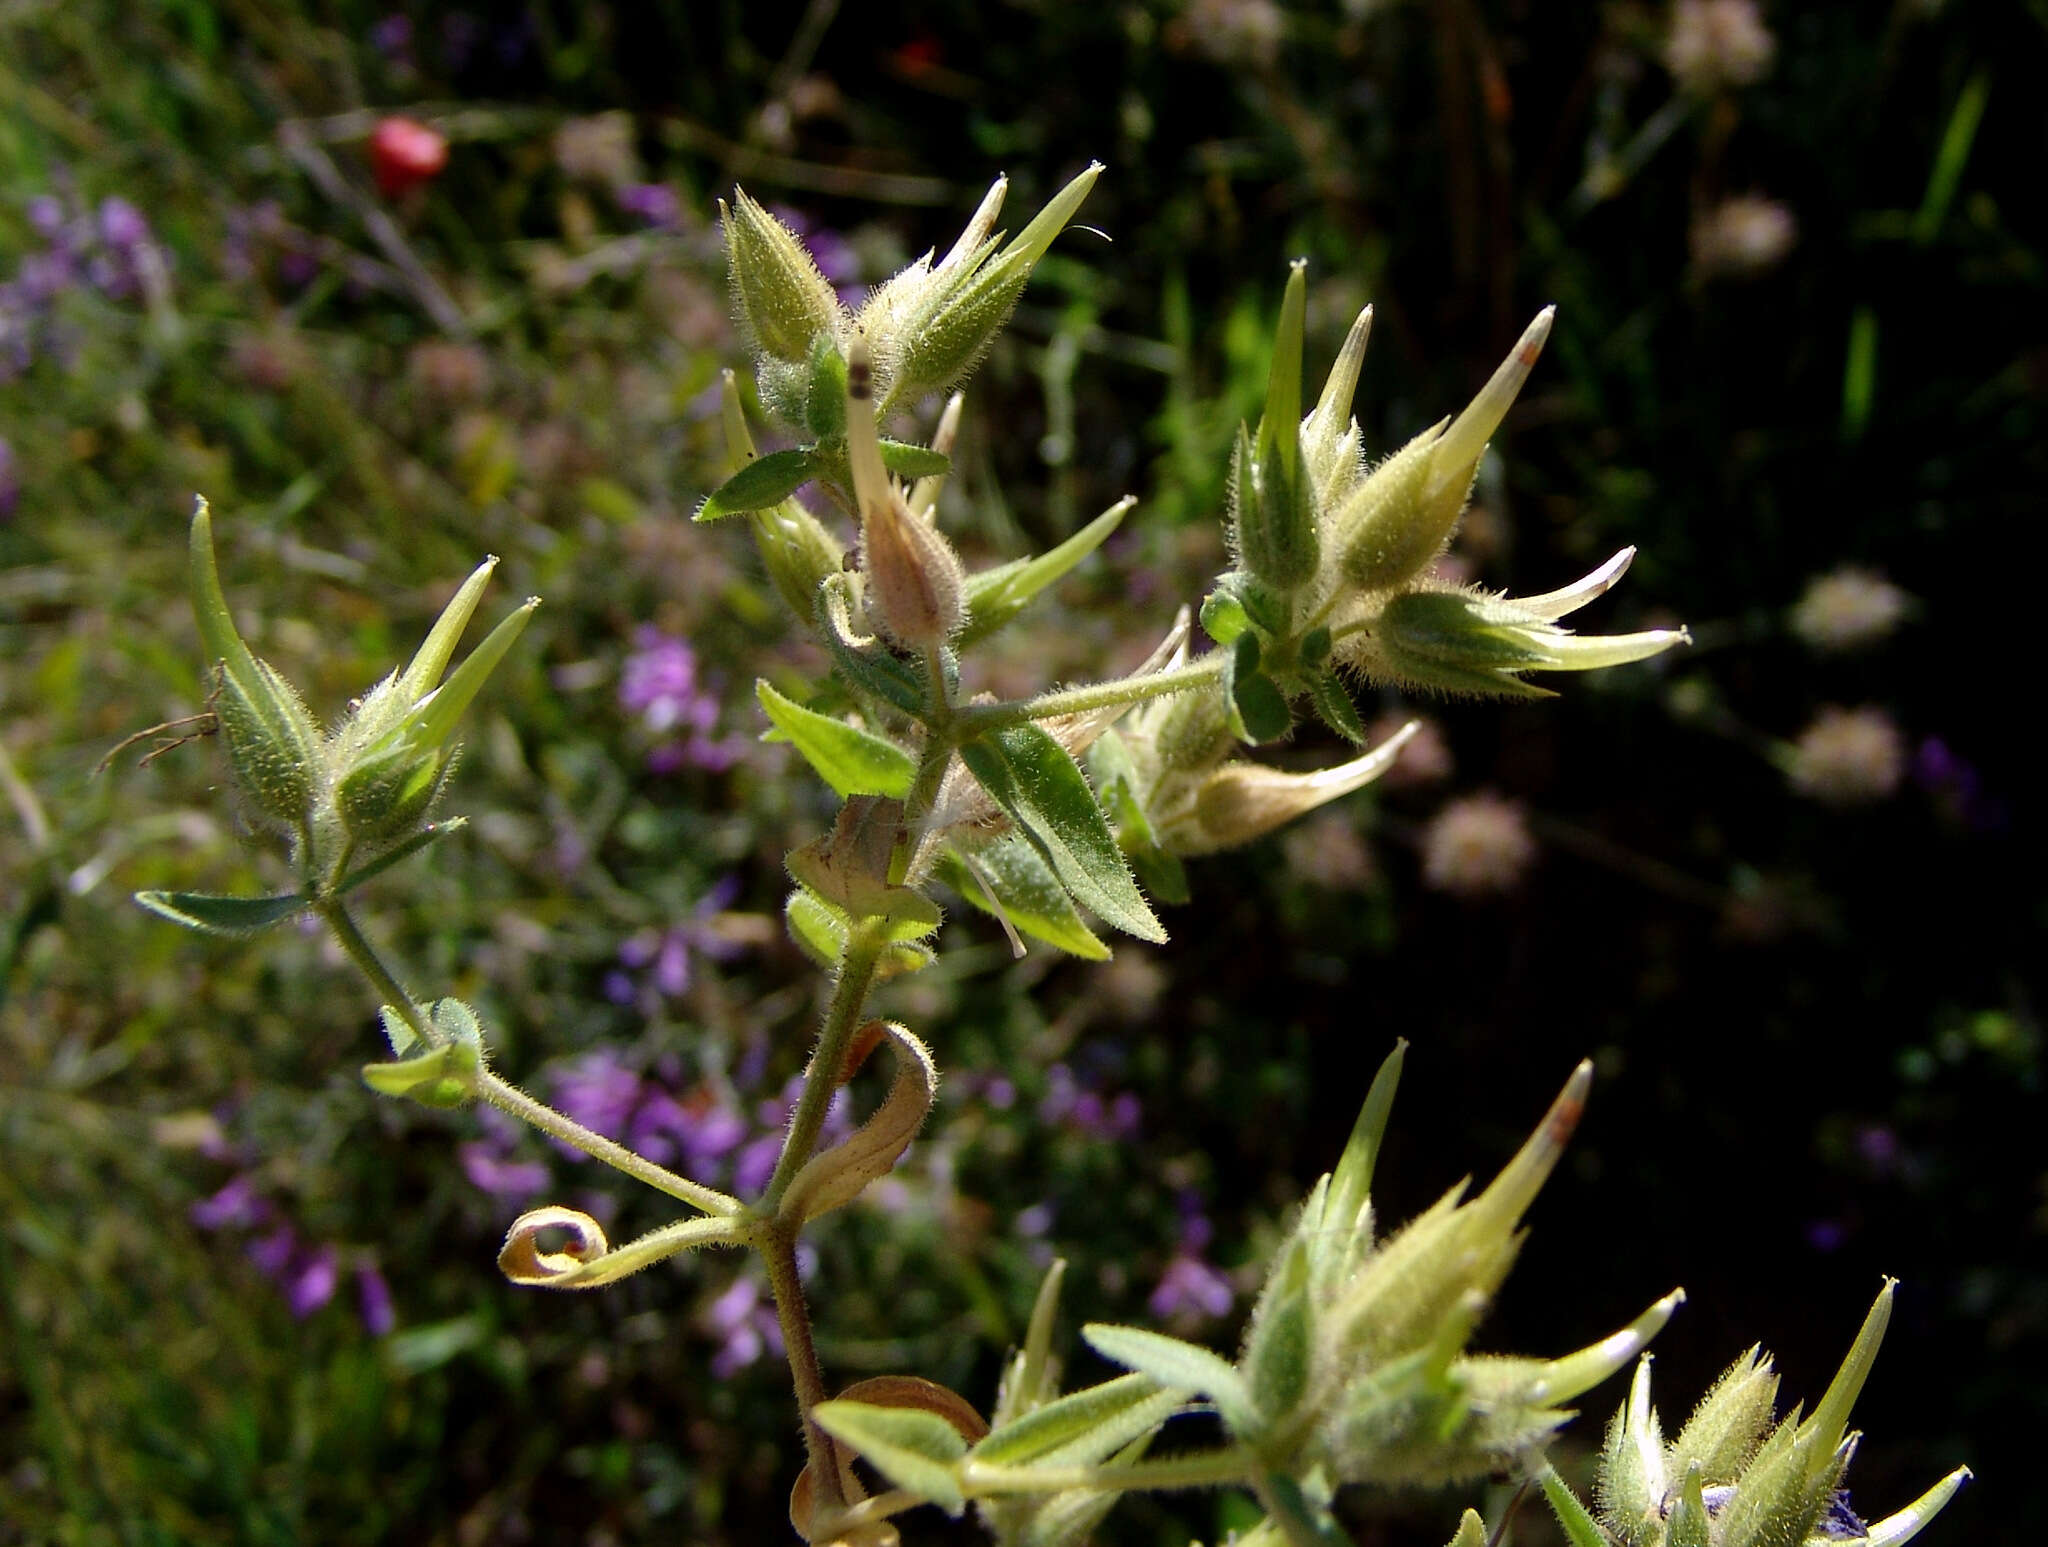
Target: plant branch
x=513, y=1101
x=1099, y=695
x=778, y=1250
x=864, y=947
x=1205, y=1469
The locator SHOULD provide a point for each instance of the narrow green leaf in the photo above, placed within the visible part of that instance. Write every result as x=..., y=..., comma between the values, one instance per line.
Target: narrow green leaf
x=1184, y=1366
x=1162, y=874
x=845, y=757
x=1334, y=706
x=1280, y=424
x=762, y=482
x=1043, y=790
x=1352, y=1183
x=212, y=915
x=433, y=832
x=1073, y=1417
x=908, y=461
x=995, y=596
x=914, y=1449
x=431, y=659
x=1580, y=1528
x=1276, y=1356
x=1028, y=892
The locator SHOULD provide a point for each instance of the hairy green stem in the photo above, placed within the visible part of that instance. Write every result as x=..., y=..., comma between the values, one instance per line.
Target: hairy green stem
x=1205, y=1469
x=1099, y=695
x=864, y=946
x=777, y=1246
x=371, y=965
x=510, y=1099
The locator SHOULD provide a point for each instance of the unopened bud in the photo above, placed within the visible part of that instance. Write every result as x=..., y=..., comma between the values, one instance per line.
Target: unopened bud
x=1401, y=517
x=271, y=739
x=1242, y=801
x=915, y=585
x=1274, y=503
x=783, y=302
x=941, y=330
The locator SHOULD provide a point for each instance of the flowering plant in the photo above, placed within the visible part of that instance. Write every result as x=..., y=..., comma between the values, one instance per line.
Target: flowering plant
x=1060, y=814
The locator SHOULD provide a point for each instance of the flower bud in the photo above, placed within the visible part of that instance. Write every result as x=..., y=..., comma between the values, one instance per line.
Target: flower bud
x=931, y=330
x=392, y=756
x=915, y=585
x=782, y=301
x=1401, y=517
x=271, y=739
x=1242, y=801
x=1468, y=642
x=1273, y=513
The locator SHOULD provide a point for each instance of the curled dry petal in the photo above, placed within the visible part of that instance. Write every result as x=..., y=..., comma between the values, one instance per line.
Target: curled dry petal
x=522, y=1260
x=588, y=1261
x=837, y=1176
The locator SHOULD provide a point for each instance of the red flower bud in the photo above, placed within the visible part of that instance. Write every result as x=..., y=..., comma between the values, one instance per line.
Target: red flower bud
x=404, y=154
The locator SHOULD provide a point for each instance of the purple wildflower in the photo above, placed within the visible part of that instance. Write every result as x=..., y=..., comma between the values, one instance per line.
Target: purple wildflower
x=653, y=204
x=668, y=952
x=373, y=1299
x=273, y=1253
x=122, y=225
x=237, y=1205
x=1073, y=1105
x=310, y=1281
x=491, y=1169
x=660, y=684
x=597, y=1091
x=744, y=1323
x=1190, y=1288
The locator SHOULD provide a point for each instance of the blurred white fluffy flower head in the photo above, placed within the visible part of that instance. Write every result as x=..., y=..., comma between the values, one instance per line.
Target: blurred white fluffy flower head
x=1848, y=609
x=1477, y=846
x=1715, y=44
x=1848, y=757
x=1742, y=236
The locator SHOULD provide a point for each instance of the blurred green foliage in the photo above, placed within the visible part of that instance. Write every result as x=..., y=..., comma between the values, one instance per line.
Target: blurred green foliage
x=1819, y=1043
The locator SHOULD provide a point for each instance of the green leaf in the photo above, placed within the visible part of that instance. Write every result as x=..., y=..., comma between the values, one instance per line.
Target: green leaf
x=1028, y=892
x=1334, y=706
x=914, y=1449
x=877, y=673
x=211, y=915
x=825, y=397
x=1043, y=790
x=1184, y=1366
x=849, y=759
x=1072, y=1418
x=1276, y=1356
x=433, y=832
x=762, y=482
x=1580, y=1529
x=1352, y=1183
x=908, y=461
x=995, y=596
x=1162, y=874
x=1261, y=707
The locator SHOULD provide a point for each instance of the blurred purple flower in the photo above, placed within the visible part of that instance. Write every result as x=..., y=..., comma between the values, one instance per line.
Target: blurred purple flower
x=237, y=1205
x=744, y=1323
x=1191, y=1288
x=660, y=685
x=391, y=36
x=1068, y=1102
x=597, y=1091
x=309, y=1282
x=490, y=1168
x=273, y=1253
x=668, y=951
x=10, y=480
x=833, y=253
x=1826, y=1235
x=122, y=225
x=373, y=1299
x=1956, y=787
x=654, y=204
